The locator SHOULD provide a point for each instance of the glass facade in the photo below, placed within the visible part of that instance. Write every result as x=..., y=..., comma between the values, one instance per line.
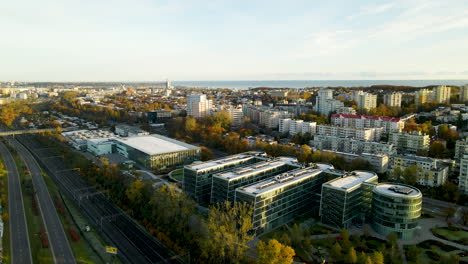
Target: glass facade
x=198, y=178
x=281, y=202
x=343, y=206
x=395, y=211
x=160, y=160
x=223, y=188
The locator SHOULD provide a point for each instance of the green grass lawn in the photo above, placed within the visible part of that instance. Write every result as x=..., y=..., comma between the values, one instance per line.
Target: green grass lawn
x=452, y=234
x=35, y=224
x=178, y=174
x=431, y=251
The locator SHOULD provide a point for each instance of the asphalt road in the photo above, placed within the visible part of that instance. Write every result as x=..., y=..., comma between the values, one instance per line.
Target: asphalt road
x=440, y=207
x=19, y=238
x=60, y=247
x=134, y=243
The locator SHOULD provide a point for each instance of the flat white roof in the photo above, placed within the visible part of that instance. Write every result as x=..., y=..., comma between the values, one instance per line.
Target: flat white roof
x=355, y=179
x=155, y=144
x=284, y=179
x=401, y=190
x=225, y=161
x=256, y=168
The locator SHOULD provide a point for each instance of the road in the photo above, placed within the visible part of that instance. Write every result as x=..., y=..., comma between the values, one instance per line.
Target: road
x=439, y=208
x=59, y=244
x=134, y=243
x=19, y=237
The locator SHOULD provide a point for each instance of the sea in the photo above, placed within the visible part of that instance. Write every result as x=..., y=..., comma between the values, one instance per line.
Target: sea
x=242, y=85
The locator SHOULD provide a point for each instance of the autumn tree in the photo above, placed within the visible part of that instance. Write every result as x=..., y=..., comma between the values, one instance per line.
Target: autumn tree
x=378, y=258
x=273, y=252
x=227, y=226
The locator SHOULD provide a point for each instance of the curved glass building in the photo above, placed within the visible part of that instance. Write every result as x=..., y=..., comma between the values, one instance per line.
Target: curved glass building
x=396, y=208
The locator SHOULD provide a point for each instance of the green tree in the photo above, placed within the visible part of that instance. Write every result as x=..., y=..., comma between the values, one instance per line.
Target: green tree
x=377, y=258
x=206, y=153
x=351, y=257
x=273, y=252
x=438, y=150
x=410, y=175
x=335, y=252
x=360, y=164
x=227, y=226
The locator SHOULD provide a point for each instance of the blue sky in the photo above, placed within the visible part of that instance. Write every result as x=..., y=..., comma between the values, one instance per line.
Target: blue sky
x=151, y=40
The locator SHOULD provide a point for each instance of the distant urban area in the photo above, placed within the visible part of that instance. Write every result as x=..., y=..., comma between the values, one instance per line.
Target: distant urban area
x=110, y=172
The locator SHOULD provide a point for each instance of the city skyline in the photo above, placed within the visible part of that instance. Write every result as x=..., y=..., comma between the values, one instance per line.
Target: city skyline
x=261, y=40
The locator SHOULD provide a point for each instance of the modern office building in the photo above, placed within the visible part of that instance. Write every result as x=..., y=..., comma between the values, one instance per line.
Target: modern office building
x=392, y=99
x=368, y=134
x=365, y=100
x=198, y=105
x=406, y=142
x=334, y=143
x=432, y=172
x=198, y=177
x=100, y=146
x=325, y=104
x=279, y=200
x=156, y=151
x=225, y=183
x=396, y=208
x=346, y=201
x=364, y=121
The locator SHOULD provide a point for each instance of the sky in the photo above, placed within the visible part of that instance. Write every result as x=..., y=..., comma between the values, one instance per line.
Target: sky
x=151, y=40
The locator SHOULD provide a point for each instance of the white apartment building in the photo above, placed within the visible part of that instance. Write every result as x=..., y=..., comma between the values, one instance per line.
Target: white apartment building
x=265, y=116
x=432, y=172
x=334, y=143
x=464, y=93
x=293, y=127
x=198, y=106
x=442, y=94
x=346, y=110
x=463, y=177
x=236, y=115
x=406, y=142
x=365, y=100
x=392, y=99
x=364, y=121
x=369, y=134
x=325, y=104
x=378, y=162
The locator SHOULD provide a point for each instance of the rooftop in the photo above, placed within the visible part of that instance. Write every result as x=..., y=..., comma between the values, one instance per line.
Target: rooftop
x=355, y=179
x=386, y=118
x=284, y=179
x=256, y=168
x=397, y=190
x=155, y=144
x=230, y=160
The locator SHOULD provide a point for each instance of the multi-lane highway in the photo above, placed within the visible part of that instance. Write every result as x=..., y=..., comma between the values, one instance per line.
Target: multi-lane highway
x=135, y=245
x=19, y=238
x=59, y=244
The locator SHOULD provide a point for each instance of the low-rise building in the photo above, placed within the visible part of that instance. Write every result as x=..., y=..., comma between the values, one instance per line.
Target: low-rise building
x=156, y=151
x=432, y=172
x=129, y=131
x=378, y=162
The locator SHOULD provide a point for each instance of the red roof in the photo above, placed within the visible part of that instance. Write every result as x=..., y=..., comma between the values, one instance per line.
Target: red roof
x=387, y=118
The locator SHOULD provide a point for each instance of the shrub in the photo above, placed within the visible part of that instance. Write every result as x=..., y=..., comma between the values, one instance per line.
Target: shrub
x=44, y=239
x=73, y=234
